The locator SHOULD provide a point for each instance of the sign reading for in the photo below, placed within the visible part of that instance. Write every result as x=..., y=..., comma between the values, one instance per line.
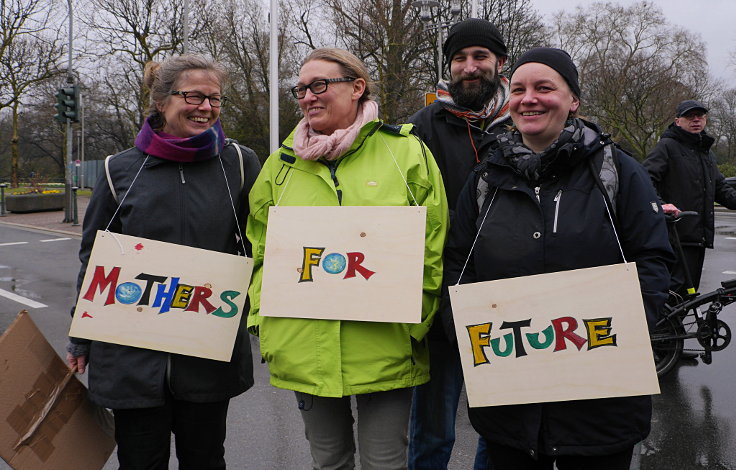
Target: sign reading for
x=344, y=263
x=553, y=337
x=162, y=296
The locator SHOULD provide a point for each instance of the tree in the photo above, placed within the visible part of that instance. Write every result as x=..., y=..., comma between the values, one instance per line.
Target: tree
x=634, y=68
x=722, y=125
x=29, y=52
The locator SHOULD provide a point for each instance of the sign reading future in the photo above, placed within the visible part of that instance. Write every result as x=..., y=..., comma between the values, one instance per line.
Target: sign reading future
x=162, y=296
x=344, y=263
x=553, y=337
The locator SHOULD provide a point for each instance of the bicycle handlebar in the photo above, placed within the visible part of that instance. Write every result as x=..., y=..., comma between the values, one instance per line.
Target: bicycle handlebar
x=681, y=215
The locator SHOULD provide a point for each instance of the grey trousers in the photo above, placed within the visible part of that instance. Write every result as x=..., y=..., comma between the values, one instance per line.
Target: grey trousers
x=383, y=423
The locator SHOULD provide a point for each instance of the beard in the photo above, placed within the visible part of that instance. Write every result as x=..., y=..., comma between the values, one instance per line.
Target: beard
x=474, y=96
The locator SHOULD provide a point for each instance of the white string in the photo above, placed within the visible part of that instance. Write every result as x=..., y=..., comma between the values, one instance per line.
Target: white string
x=472, y=247
x=232, y=204
x=289, y=173
x=615, y=232
x=107, y=229
x=399, y=168
x=126, y=194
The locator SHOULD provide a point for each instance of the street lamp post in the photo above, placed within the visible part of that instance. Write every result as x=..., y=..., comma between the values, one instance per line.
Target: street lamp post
x=69, y=142
x=425, y=14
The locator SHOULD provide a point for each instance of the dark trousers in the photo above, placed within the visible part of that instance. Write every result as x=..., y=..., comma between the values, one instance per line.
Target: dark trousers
x=694, y=258
x=508, y=458
x=143, y=435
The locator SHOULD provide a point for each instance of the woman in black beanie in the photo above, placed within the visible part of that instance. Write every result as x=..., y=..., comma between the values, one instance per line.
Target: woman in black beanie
x=557, y=195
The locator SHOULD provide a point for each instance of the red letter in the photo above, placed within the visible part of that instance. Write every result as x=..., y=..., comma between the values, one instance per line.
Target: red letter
x=99, y=280
x=562, y=333
x=200, y=296
x=354, y=260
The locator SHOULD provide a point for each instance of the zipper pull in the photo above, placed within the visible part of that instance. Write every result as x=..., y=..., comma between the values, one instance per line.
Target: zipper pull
x=181, y=173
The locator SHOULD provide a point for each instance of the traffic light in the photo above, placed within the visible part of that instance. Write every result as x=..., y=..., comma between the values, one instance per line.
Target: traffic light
x=67, y=104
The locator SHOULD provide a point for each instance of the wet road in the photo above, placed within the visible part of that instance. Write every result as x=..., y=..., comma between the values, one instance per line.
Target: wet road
x=694, y=423
x=694, y=418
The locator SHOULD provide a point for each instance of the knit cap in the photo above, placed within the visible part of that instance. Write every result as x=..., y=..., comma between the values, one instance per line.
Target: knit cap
x=473, y=32
x=557, y=59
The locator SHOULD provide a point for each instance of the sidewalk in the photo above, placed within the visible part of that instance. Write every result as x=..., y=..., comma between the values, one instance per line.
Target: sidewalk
x=50, y=220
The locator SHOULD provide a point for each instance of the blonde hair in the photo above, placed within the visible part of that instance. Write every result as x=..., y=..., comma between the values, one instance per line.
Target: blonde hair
x=350, y=65
x=160, y=79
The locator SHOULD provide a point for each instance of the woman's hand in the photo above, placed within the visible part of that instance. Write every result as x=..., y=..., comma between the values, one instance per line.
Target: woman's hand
x=79, y=363
x=671, y=209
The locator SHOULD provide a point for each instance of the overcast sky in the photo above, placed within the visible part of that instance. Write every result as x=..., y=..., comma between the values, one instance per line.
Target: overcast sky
x=713, y=20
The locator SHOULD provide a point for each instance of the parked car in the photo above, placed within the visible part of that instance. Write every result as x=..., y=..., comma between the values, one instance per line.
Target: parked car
x=731, y=180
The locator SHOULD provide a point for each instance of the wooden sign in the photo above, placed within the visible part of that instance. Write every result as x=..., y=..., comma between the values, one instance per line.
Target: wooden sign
x=344, y=263
x=156, y=295
x=553, y=337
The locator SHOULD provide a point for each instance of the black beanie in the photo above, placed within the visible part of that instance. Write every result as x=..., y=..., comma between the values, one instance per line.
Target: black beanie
x=473, y=32
x=557, y=59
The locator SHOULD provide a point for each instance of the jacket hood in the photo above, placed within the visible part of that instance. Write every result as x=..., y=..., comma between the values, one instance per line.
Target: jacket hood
x=700, y=140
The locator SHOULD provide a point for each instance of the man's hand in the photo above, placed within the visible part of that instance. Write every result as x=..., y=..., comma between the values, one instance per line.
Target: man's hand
x=671, y=209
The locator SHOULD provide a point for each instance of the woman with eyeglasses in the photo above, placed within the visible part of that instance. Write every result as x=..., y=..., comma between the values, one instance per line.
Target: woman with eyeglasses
x=181, y=183
x=342, y=154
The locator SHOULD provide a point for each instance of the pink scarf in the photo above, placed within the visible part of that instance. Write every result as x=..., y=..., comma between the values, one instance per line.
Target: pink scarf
x=311, y=145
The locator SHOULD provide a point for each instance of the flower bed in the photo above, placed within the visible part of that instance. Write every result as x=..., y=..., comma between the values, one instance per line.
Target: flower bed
x=34, y=202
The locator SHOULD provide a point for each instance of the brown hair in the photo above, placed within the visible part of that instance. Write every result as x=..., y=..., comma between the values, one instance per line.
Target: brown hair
x=160, y=79
x=350, y=65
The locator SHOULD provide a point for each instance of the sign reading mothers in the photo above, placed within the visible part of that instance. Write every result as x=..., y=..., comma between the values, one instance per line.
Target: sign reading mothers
x=553, y=337
x=344, y=263
x=162, y=296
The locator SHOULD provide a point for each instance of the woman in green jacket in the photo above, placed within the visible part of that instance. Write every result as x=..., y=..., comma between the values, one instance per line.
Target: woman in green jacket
x=337, y=148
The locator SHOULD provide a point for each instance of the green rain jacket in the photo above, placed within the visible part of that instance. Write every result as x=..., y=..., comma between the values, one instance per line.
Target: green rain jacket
x=332, y=358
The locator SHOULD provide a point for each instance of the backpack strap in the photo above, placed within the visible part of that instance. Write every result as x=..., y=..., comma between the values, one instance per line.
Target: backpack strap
x=235, y=144
x=109, y=179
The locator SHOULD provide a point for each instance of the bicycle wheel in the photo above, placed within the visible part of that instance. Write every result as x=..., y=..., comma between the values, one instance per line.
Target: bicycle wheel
x=666, y=345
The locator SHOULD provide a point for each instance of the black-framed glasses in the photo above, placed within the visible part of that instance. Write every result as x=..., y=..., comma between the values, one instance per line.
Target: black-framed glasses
x=195, y=97
x=317, y=87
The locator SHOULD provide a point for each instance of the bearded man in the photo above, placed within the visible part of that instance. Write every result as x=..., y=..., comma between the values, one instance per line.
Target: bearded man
x=459, y=128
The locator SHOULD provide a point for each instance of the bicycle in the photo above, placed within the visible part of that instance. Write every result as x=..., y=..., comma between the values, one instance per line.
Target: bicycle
x=693, y=316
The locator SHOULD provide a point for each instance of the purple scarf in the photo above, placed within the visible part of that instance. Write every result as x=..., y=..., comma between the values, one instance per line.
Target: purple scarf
x=204, y=146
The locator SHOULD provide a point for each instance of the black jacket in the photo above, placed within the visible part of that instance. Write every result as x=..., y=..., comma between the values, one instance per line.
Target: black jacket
x=455, y=144
x=566, y=227
x=187, y=204
x=684, y=172
x=449, y=139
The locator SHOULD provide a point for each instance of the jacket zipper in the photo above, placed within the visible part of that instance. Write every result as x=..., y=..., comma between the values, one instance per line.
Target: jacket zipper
x=333, y=174
x=181, y=173
x=536, y=193
x=557, y=210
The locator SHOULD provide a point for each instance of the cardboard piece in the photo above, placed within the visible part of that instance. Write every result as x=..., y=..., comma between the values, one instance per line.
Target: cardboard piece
x=46, y=420
x=568, y=335
x=162, y=296
x=344, y=263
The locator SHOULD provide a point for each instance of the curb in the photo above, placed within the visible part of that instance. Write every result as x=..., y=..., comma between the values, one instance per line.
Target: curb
x=42, y=229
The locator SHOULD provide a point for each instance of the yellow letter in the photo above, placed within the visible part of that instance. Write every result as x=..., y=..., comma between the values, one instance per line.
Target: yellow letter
x=599, y=333
x=311, y=258
x=479, y=338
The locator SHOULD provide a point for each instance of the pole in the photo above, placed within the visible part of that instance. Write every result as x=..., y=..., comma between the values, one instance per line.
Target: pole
x=273, y=77
x=81, y=142
x=439, y=54
x=185, y=20
x=69, y=137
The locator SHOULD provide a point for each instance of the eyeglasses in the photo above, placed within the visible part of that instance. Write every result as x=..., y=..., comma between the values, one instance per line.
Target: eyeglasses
x=317, y=87
x=691, y=116
x=195, y=97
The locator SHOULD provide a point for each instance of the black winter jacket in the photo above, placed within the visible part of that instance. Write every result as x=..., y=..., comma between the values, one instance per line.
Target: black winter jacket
x=684, y=172
x=449, y=139
x=187, y=204
x=562, y=224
